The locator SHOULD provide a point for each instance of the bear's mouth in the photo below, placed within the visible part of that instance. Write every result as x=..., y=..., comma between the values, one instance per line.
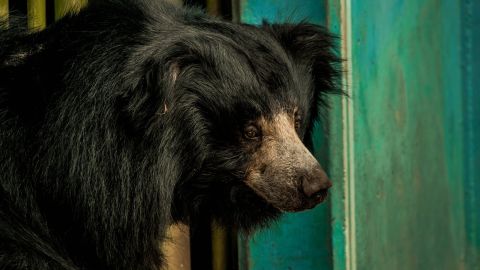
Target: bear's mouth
x=301, y=203
x=318, y=198
x=308, y=203
x=285, y=198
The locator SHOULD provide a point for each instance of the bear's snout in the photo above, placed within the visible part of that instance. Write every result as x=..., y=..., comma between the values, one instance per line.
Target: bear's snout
x=283, y=171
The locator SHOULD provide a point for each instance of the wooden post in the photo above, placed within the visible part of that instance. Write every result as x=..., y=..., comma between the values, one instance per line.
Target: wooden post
x=177, y=248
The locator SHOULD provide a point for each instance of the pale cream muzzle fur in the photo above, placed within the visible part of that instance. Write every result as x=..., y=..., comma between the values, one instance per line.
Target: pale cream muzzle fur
x=283, y=171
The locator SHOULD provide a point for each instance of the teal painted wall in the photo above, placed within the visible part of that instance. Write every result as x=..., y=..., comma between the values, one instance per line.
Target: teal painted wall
x=302, y=240
x=410, y=135
x=408, y=143
x=254, y=11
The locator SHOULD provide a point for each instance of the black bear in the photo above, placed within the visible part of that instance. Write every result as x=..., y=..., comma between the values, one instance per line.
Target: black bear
x=132, y=115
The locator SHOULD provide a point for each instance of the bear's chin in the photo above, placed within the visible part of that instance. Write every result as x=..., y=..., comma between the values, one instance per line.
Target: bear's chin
x=232, y=206
x=250, y=211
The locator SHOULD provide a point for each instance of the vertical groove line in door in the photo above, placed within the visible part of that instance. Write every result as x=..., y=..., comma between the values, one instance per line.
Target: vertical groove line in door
x=348, y=137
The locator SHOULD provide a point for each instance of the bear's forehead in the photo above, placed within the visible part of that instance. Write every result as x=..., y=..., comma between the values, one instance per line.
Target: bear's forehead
x=258, y=69
x=244, y=49
x=250, y=67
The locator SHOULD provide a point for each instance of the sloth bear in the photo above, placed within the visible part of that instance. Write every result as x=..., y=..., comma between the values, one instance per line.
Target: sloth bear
x=133, y=115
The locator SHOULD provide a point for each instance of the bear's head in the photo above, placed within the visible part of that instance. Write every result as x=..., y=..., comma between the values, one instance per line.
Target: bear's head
x=250, y=98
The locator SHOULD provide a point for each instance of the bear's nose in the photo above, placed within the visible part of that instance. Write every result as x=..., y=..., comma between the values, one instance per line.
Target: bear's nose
x=315, y=185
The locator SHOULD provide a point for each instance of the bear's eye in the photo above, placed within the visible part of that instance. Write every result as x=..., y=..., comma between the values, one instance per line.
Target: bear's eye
x=251, y=132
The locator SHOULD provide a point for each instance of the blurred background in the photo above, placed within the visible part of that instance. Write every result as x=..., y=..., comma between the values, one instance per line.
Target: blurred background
x=403, y=149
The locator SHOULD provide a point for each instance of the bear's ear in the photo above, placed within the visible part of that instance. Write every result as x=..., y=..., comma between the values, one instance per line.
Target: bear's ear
x=312, y=49
x=148, y=96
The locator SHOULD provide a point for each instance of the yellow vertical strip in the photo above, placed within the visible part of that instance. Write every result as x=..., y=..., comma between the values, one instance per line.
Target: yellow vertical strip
x=213, y=7
x=3, y=10
x=236, y=10
x=219, y=247
x=177, y=248
x=36, y=14
x=62, y=7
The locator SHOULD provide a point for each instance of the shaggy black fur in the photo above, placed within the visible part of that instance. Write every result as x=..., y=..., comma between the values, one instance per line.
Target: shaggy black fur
x=124, y=118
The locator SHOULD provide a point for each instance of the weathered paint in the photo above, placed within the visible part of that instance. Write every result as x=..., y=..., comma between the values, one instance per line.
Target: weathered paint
x=471, y=81
x=302, y=240
x=403, y=153
x=36, y=13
